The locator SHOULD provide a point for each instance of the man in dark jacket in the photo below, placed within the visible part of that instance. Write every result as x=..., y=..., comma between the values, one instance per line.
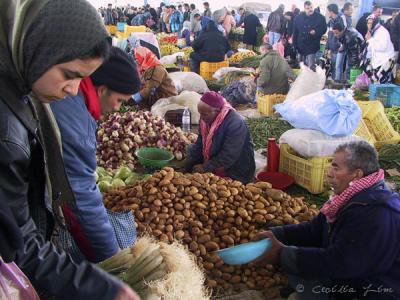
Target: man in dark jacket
x=109, y=18
x=251, y=23
x=276, y=25
x=333, y=45
x=35, y=71
x=224, y=145
x=309, y=27
x=103, y=92
x=351, y=250
x=350, y=45
x=210, y=46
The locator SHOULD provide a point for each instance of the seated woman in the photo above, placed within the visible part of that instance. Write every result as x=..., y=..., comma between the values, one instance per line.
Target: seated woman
x=156, y=83
x=186, y=33
x=224, y=145
x=378, y=58
x=210, y=46
x=353, y=245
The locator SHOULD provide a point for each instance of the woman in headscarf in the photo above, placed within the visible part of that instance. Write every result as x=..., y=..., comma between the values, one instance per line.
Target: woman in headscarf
x=38, y=65
x=185, y=33
x=251, y=23
x=156, y=83
x=210, y=46
x=378, y=58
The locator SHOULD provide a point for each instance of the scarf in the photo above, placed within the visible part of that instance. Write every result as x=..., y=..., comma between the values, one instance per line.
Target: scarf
x=91, y=98
x=38, y=34
x=145, y=59
x=337, y=202
x=208, y=132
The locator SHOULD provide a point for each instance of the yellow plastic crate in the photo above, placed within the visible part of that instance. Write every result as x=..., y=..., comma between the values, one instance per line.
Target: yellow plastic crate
x=265, y=103
x=121, y=35
x=186, y=69
x=207, y=69
x=309, y=173
x=131, y=29
x=364, y=132
x=378, y=123
x=296, y=72
x=112, y=29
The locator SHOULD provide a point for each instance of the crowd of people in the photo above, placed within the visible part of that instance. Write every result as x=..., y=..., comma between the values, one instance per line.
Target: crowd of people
x=372, y=44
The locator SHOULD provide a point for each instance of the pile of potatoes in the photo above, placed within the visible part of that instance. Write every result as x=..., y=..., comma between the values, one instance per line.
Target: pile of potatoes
x=209, y=213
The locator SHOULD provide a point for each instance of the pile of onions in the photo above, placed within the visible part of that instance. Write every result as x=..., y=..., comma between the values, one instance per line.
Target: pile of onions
x=121, y=134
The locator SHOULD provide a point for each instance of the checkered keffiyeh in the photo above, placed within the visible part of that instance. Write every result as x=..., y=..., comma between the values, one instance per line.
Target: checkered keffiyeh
x=337, y=202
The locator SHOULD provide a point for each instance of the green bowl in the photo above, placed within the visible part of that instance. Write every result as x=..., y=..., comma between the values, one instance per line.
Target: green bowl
x=154, y=158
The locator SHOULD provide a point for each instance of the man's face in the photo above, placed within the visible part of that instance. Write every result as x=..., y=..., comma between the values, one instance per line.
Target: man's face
x=198, y=18
x=339, y=176
x=110, y=7
x=331, y=14
x=111, y=101
x=349, y=11
x=309, y=9
x=64, y=79
x=338, y=34
x=241, y=12
x=378, y=12
x=207, y=113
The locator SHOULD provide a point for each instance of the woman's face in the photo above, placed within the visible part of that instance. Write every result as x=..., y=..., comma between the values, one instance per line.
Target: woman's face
x=369, y=23
x=64, y=79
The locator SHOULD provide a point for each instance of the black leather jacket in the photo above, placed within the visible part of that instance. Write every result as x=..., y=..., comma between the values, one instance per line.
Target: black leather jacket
x=352, y=46
x=22, y=185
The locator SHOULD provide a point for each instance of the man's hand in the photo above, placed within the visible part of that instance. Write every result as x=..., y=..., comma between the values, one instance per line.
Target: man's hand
x=312, y=32
x=198, y=169
x=273, y=254
x=125, y=293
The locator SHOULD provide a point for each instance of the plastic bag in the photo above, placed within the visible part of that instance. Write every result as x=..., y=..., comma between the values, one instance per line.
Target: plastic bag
x=185, y=99
x=333, y=112
x=189, y=81
x=223, y=71
x=260, y=160
x=250, y=113
x=362, y=82
x=307, y=82
x=310, y=143
x=14, y=285
x=170, y=59
x=241, y=91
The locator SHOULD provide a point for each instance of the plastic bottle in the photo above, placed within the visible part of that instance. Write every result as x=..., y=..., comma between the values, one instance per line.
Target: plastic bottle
x=272, y=155
x=186, y=122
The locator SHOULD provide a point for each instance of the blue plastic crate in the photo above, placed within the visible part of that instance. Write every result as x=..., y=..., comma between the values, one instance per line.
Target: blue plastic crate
x=388, y=94
x=121, y=26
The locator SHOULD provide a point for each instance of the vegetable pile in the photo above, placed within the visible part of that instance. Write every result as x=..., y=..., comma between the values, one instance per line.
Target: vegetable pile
x=393, y=115
x=208, y=213
x=158, y=270
x=239, y=56
x=251, y=62
x=124, y=176
x=263, y=128
x=168, y=49
x=122, y=133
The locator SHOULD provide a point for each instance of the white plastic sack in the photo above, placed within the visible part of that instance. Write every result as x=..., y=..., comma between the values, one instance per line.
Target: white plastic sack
x=223, y=71
x=170, y=59
x=189, y=81
x=260, y=160
x=185, y=99
x=250, y=113
x=310, y=143
x=333, y=112
x=306, y=83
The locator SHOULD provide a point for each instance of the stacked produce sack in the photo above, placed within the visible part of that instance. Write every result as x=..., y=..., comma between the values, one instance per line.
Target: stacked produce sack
x=208, y=213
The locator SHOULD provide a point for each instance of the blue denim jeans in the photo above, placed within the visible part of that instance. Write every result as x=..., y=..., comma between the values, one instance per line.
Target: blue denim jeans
x=274, y=37
x=309, y=60
x=342, y=71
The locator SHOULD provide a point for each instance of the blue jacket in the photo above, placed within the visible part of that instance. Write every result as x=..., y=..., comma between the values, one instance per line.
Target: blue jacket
x=78, y=132
x=176, y=21
x=231, y=149
x=361, y=249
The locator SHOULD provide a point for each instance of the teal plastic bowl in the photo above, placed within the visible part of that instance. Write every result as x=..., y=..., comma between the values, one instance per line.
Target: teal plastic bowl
x=154, y=158
x=244, y=253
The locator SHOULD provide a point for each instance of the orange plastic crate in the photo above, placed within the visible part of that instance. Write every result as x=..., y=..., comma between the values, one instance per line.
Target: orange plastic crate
x=309, y=173
x=207, y=69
